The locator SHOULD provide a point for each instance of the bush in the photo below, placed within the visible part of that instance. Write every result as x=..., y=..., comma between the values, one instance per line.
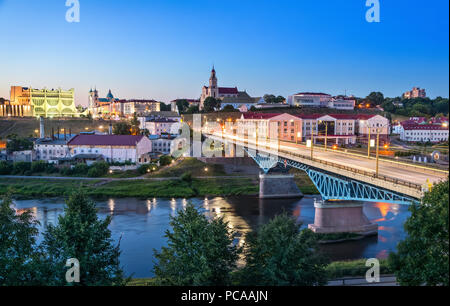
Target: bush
x=39, y=166
x=143, y=169
x=20, y=168
x=66, y=171
x=165, y=160
x=98, y=169
x=80, y=169
x=186, y=177
x=5, y=168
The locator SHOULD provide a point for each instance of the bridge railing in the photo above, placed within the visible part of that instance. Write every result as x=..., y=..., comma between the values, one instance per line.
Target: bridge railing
x=359, y=171
x=335, y=165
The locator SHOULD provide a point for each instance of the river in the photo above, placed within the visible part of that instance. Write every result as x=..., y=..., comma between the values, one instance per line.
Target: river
x=142, y=223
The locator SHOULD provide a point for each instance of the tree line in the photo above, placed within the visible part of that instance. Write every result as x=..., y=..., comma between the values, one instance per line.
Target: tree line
x=203, y=252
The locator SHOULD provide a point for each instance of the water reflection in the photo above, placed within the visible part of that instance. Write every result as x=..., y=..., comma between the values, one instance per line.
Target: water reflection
x=142, y=223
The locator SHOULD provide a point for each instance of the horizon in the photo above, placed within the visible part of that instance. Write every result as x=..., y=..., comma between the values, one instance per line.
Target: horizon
x=165, y=50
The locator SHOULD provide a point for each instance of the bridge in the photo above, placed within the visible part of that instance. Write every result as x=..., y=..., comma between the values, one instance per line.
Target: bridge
x=339, y=175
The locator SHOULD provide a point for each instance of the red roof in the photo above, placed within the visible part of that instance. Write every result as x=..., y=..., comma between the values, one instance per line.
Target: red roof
x=428, y=127
x=312, y=94
x=259, y=115
x=228, y=90
x=105, y=140
x=309, y=116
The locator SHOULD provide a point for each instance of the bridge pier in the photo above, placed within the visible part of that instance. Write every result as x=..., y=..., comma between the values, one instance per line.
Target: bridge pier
x=278, y=186
x=342, y=217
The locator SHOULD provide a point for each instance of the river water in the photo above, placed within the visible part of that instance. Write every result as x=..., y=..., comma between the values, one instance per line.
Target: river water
x=142, y=223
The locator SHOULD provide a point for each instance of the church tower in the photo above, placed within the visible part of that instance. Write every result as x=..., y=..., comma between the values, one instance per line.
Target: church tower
x=213, y=89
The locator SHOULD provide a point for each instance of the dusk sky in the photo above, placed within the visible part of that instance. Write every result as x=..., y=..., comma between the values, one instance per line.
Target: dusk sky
x=164, y=49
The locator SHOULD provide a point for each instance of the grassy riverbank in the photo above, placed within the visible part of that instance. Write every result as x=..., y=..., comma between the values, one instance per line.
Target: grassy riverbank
x=335, y=270
x=130, y=188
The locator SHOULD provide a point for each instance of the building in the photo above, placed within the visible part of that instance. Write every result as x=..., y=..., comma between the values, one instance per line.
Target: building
x=191, y=102
x=30, y=102
x=242, y=102
x=113, y=148
x=166, y=144
x=51, y=150
x=341, y=129
x=269, y=126
x=416, y=92
x=321, y=100
x=157, y=125
x=114, y=107
x=423, y=132
x=309, y=99
x=342, y=103
x=228, y=95
x=140, y=107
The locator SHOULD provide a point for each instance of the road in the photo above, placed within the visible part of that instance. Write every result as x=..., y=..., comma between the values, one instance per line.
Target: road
x=398, y=170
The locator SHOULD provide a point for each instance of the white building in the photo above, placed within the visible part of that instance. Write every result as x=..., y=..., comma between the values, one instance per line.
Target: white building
x=167, y=145
x=423, y=133
x=157, y=126
x=113, y=148
x=314, y=99
x=51, y=150
x=309, y=99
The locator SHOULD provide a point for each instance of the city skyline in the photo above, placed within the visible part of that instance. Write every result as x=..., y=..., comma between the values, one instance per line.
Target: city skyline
x=153, y=50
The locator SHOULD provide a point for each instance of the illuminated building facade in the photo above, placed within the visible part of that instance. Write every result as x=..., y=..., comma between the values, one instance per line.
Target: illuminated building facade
x=30, y=102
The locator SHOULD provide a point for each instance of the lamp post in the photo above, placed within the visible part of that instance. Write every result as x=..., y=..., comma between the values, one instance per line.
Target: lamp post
x=378, y=150
x=326, y=135
x=368, y=141
x=312, y=144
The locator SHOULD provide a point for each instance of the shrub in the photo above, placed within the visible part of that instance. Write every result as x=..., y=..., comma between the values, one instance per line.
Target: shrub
x=81, y=169
x=66, y=171
x=39, y=166
x=186, y=177
x=165, y=160
x=20, y=168
x=98, y=169
x=5, y=168
x=143, y=169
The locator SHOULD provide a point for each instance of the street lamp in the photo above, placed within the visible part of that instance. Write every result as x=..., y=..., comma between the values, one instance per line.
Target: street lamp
x=326, y=133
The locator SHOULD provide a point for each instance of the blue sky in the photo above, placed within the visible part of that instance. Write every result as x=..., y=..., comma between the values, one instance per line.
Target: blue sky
x=164, y=49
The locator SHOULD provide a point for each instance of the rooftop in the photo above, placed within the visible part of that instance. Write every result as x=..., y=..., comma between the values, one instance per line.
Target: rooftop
x=105, y=140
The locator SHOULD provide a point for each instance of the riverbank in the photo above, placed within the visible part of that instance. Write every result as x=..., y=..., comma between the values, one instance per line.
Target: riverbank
x=335, y=270
x=142, y=188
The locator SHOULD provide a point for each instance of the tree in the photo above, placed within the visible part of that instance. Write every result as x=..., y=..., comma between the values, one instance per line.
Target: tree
x=18, y=253
x=210, y=104
x=82, y=235
x=228, y=108
x=272, y=99
x=376, y=98
x=165, y=107
x=135, y=125
x=182, y=105
x=422, y=258
x=165, y=160
x=16, y=143
x=193, y=109
x=122, y=128
x=280, y=254
x=199, y=252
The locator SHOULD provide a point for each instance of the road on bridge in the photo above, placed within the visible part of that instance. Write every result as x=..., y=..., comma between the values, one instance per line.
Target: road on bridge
x=406, y=172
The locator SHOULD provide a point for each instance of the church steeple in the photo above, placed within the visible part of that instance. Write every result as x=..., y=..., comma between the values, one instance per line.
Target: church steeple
x=213, y=89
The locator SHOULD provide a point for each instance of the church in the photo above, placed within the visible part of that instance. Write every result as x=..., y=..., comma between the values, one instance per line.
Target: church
x=228, y=95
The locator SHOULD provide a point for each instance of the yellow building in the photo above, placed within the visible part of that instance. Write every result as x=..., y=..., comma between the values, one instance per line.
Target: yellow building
x=30, y=102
